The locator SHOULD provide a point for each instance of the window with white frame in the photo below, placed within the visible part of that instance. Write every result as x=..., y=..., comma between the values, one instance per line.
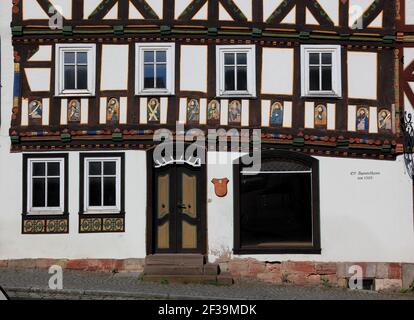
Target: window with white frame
x=155, y=68
x=45, y=185
x=236, y=70
x=75, y=69
x=102, y=185
x=321, y=70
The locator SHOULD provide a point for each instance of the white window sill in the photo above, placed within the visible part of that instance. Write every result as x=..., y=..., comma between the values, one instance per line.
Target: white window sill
x=155, y=93
x=45, y=213
x=102, y=211
x=237, y=95
x=321, y=95
x=74, y=94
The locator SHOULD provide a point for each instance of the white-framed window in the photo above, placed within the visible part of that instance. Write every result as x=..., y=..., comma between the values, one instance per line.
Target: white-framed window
x=321, y=71
x=236, y=71
x=75, y=69
x=102, y=185
x=154, y=68
x=45, y=186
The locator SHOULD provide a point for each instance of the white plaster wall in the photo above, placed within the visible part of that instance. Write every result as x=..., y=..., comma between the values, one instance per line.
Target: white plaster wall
x=368, y=220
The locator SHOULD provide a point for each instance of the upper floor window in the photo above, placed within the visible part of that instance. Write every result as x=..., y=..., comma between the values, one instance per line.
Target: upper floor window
x=45, y=179
x=236, y=71
x=155, y=68
x=321, y=71
x=75, y=69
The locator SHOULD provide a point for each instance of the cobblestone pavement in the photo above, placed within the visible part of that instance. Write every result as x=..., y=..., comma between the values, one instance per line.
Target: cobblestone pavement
x=33, y=284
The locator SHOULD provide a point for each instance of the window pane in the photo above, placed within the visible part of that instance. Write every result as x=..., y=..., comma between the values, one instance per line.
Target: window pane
x=314, y=58
x=161, y=56
x=109, y=191
x=38, y=194
x=242, y=58
x=149, y=76
x=241, y=78
x=69, y=77
x=53, y=169
x=110, y=168
x=69, y=57
x=161, y=76
x=95, y=168
x=82, y=77
x=229, y=58
x=229, y=81
x=39, y=169
x=326, y=78
x=53, y=192
x=148, y=56
x=82, y=58
x=95, y=192
x=314, y=78
x=327, y=58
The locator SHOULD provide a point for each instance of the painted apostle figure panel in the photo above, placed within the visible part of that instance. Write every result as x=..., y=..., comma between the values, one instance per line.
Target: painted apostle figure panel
x=74, y=110
x=235, y=112
x=193, y=111
x=276, y=115
x=362, y=119
x=153, y=110
x=112, y=111
x=35, y=112
x=320, y=116
x=384, y=120
x=213, y=111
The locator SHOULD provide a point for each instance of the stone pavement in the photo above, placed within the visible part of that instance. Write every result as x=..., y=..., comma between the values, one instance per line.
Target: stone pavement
x=33, y=284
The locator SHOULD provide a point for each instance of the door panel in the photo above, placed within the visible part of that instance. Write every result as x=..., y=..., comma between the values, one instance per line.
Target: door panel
x=179, y=204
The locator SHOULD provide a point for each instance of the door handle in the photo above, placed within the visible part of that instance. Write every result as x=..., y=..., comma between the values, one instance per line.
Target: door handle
x=181, y=206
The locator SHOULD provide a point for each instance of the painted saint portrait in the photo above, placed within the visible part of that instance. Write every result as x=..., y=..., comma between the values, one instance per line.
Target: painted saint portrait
x=362, y=119
x=153, y=110
x=276, y=114
x=213, y=112
x=74, y=111
x=193, y=111
x=35, y=112
x=320, y=116
x=384, y=120
x=234, y=112
x=112, y=111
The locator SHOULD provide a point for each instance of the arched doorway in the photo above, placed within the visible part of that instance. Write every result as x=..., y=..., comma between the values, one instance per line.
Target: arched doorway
x=176, y=217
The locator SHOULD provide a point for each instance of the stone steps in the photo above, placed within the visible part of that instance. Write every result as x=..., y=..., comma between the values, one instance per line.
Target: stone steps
x=183, y=268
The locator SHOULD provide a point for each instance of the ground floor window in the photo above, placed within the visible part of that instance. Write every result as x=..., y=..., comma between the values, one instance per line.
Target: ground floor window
x=277, y=208
x=102, y=181
x=44, y=183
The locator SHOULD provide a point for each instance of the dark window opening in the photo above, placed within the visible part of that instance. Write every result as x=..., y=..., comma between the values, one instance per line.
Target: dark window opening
x=320, y=71
x=277, y=209
x=155, y=69
x=235, y=71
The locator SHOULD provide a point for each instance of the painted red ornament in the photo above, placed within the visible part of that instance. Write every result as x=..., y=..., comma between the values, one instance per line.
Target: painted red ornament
x=220, y=186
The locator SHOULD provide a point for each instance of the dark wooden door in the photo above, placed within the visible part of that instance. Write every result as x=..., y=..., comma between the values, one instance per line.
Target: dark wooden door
x=179, y=209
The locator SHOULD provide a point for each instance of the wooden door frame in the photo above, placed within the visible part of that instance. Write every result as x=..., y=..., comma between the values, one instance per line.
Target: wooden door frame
x=150, y=198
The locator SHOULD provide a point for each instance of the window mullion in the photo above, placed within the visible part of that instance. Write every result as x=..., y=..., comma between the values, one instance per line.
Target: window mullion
x=155, y=69
x=46, y=182
x=235, y=72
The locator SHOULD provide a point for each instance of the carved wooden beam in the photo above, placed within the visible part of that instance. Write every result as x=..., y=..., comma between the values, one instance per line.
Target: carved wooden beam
x=233, y=10
x=372, y=12
x=280, y=13
x=319, y=13
x=145, y=9
x=192, y=9
x=102, y=9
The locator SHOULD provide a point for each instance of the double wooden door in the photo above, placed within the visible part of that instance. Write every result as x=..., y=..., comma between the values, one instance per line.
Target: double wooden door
x=179, y=202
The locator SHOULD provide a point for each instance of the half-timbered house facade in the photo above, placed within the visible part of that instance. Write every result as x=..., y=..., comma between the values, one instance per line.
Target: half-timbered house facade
x=315, y=87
